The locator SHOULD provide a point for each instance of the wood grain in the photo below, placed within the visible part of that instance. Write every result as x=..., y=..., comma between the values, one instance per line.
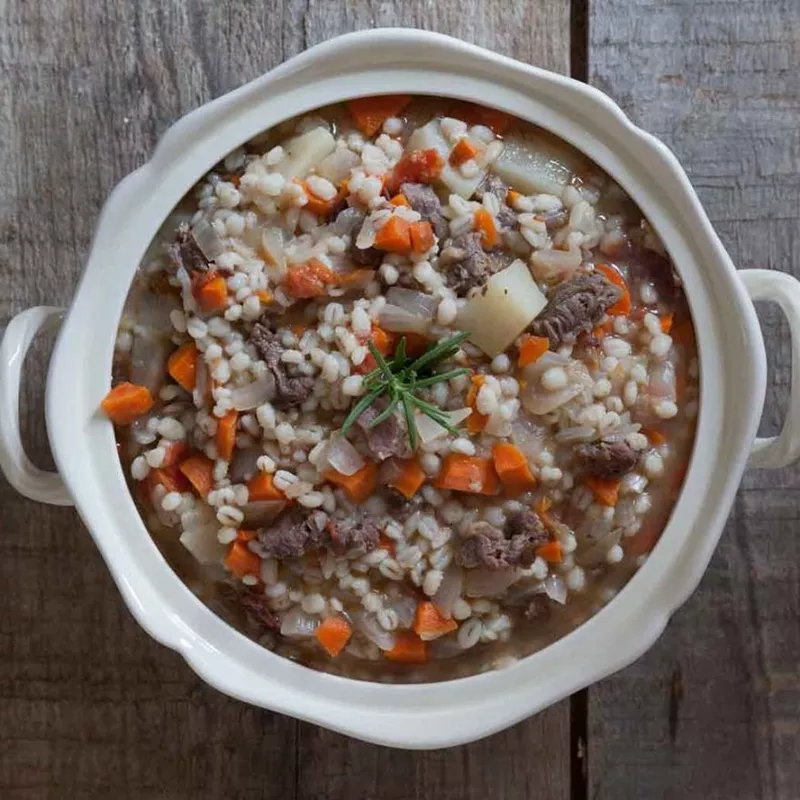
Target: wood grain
x=712, y=710
x=90, y=707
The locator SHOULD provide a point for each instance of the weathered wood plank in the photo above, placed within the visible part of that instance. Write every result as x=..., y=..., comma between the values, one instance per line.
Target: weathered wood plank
x=712, y=710
x=91, y=707
x=533, y=759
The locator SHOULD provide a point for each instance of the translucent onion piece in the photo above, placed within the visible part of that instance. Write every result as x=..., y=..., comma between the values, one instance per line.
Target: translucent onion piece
x=488, y=582
x=207, y=239
x=343, y=457
x=296, y=624
x=418, y=303
x=202, y=543
x=536, y=399
x=253, y=394
x=449, y=590
x=368, y=625
x=556, y=589
x=429, y=430
x=399, y=320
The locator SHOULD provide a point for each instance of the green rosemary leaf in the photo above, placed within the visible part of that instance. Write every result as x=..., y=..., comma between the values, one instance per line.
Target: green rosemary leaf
x=439, y=377
x=388, y=411
x=381, y=362
x=360, y=407
x=438, y=352
x=412, y=425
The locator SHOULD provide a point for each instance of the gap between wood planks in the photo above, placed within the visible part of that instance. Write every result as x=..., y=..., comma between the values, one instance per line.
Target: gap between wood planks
x=579, y=702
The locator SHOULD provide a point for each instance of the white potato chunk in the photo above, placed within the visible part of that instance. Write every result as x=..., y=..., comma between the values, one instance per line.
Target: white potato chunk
x=202, y=543
x=498, y=314
x=337, y=166
x=305, y=151
x=429, y=137
x=532, y=164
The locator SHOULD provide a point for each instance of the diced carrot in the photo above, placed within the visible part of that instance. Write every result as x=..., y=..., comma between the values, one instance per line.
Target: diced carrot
x=262, y=487
x=512, y=468
x=512, y=196
x=369, y=113
x=462, y=473
x=170, y=477
x=484, y=224
x=182, y=366
x=422, y=238
x=308, y=280
x=400, y=200
x=429, y=623
x=359, y=486
x=316, y=205
x=199, y=469
x=543, y=505
x=246, y=536
x=127, y=402
x=384, y=343
x=333, y=634
x=476, y=422
x=264, y=296
x=298, y=329
x=241, y=560
x=418, y=166
x=623, y=306
x=173, y=453
x=408, y=649
x=602, y=330
x=410, y=478
x=666, y=322
x=385, y=543
x=225, y=438
x=656, y=437
x=211, y=292
x=532, y=348
x=394, y=236
x=463, y=151
x=605, y=490
x=552, y=552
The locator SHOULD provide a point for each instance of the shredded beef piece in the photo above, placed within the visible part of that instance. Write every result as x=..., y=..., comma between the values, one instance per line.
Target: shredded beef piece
x=483, y=545
x=492, y=184
x=184, y=252
x=606, y=459
x=525, y=532
x=358, y=533
x=427, y=204
x=289, y=391
x=387, y=438
x=556, y=219
x=293, y=534
x=538, y=608
x=575, y=306
x=467, y=265
x=255, y=605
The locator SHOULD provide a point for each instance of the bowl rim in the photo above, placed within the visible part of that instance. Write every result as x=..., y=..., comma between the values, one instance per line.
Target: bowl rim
x=730, y=347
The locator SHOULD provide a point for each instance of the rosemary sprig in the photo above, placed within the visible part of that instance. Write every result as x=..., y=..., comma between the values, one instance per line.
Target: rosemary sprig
x=399, y=380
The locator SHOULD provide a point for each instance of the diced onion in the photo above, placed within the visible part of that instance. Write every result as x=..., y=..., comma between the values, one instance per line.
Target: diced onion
x=488, y=582
x=343, y=457
x=579, y=433
x=538, y=400
x=296, y=624
x=399, y=320
x=368, y=625
x=252, y=395
x=417, y=303
x=337, y=166
x=556, y=589
x=207, y=239
x=449, y=590
x=429, y=430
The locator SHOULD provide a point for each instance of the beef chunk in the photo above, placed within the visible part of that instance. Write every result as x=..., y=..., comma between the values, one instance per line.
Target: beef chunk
x=606, y=459
x=255, y=605
x=538, y=608
x=574, y=307
x=369, y=257
x=184, y=252
x=467, y=265
x=555, y=219
x=427, y=204
x=524, y=532
x=387, y=438
x=293, y=534
x=289, y=391
x=355, y=533
x=483, y=545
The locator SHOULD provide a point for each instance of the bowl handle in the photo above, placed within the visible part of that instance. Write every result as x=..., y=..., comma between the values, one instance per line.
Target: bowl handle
x=46, y=487
x=783, y=289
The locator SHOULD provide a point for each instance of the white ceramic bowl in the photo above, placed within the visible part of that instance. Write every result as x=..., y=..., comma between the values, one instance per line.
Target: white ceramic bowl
x=733, y=372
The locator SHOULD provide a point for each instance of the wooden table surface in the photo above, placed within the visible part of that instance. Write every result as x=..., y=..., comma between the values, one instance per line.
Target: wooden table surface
x=90, y=707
